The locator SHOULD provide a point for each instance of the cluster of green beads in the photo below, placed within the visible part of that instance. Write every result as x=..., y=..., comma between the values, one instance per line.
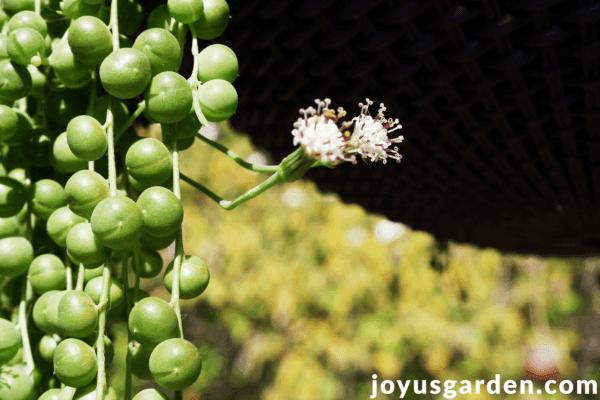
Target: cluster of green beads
x=83, y=198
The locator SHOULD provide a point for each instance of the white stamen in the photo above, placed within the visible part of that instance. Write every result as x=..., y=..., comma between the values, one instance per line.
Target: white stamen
x=322, y=139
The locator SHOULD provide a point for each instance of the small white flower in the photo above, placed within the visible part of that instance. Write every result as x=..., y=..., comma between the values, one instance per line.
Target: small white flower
x=323, y=140
x=370, y=137
x=319, y=135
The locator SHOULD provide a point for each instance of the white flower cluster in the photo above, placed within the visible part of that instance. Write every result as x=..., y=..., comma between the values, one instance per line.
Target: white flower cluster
x=319, y=134
x=322, y=139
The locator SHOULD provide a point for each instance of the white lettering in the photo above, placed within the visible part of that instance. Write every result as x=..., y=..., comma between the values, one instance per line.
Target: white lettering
x=567, y=383
x=479, y=383
x=587, y=387
x=529, y=383
x=496, y=384
x=449, y=393
x=403, y=388
x=374, y=387
x=466, y=387
x=509, y=386
x=547, y=387
x=416, y=386
x=390, y=384
x=435, y=385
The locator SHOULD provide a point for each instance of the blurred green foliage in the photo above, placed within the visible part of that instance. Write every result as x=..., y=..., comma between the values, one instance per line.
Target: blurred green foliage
x=309, y=297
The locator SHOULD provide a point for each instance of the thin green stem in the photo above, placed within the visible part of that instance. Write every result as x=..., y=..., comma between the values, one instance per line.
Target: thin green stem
x=80, y=277
x=92, y=104
x=179, y=30
x=195, y=53
x=181, y=33
x=176, y=184
x=176, y=279
x=136, y=268
x=26, y=296
x=112, y=169
x=236, y=158
x=101, y=378
x=30, y=215
x=128, y=368
x=197, y=109
x=121, y=130
x=193, y=79
x=178, y=243
x=128, y=305
x=93, y=92
x=216, y=198
x=69, y=272
x=114, y=23
x=179, y=252
x=38, y=7
x=125, y=281
x=230, y=205
x=30, y=221
x=112, y=182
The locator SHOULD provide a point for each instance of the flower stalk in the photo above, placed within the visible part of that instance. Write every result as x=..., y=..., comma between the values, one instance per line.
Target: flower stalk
x=294, y=166
x=236, y=158
x=230, y=205
x=322, y=144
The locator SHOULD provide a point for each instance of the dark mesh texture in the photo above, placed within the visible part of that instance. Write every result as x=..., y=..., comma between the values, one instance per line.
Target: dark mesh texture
x=499, y=102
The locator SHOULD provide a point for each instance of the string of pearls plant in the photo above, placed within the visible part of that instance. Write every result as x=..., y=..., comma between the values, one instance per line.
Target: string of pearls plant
x=86, y=204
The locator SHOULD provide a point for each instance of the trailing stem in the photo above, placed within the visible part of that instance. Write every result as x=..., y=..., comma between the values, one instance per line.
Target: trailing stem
x=26, y=296
x=69, y=272
x=128, y=305
x=80, y=277
x=193, y=79
x=179, y=252
x=92, y=103
x=112, y=182
x=230, y=205
x=101, y=380
x=236, y=158
x=136, y=267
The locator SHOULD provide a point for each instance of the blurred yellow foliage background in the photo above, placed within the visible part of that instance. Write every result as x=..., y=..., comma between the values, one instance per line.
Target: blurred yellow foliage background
x=309, y=297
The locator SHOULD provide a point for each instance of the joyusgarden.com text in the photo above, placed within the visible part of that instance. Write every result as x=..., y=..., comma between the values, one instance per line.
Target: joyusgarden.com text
x=451, y=388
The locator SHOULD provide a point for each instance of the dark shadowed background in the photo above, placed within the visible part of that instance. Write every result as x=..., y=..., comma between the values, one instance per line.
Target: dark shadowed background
x=499, y=103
